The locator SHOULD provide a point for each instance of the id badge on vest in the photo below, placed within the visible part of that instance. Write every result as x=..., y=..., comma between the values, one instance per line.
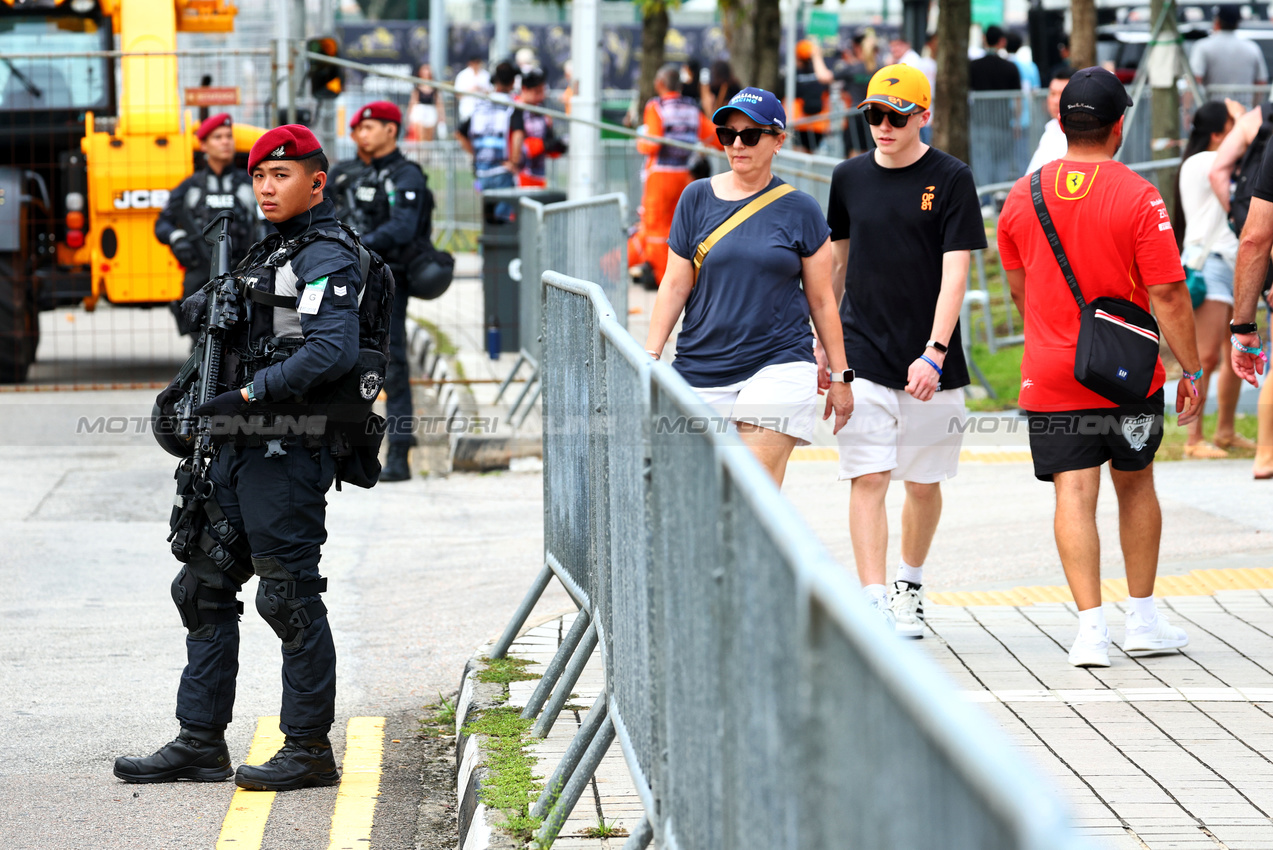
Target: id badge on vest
x=312, y=297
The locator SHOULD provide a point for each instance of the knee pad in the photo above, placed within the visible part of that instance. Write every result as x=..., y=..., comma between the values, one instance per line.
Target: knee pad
x=201, y=605
x=280, y=600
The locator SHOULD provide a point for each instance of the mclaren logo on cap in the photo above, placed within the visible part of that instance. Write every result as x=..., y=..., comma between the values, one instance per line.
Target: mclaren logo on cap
x=892, y=81
x=278, y=151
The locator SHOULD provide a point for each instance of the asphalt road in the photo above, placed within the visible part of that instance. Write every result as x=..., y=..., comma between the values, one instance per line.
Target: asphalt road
x=91, y=647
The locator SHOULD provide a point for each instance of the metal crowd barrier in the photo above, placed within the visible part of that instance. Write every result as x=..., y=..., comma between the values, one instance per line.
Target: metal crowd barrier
x=586, y=239
x=757, y=700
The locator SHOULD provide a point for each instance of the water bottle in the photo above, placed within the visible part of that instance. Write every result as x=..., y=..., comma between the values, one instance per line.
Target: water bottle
x=492, y=339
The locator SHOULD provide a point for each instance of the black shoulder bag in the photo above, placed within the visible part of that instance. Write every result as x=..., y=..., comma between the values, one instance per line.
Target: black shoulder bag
x=1118, y=341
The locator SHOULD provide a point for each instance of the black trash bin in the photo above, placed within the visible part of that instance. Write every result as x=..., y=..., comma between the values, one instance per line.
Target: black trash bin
x=500, y=246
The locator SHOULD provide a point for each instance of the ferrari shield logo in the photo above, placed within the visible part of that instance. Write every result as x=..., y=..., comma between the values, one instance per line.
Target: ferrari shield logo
x=1137, y=430
x=1074, y=181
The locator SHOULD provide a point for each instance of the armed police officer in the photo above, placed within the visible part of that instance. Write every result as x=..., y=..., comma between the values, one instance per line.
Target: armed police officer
x=214, y=187
x=386, y=198
x=261, y=507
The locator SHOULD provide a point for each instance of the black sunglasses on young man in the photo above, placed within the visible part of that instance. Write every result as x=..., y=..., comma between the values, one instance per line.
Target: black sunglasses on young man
x=875, y=117
x=750, y=136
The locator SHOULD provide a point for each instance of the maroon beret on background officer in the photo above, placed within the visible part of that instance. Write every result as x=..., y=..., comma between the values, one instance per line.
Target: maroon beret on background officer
x=289, y=142
x=220, y=120
x=381, y=110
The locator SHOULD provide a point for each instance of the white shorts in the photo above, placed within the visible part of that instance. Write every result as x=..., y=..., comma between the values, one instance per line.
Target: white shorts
x=782, y=397
x=425, y=114
x=890, y=431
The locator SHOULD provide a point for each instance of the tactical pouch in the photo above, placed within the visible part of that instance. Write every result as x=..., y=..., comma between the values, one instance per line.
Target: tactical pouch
x=357, y=452
x=429, y=273
x=349, y=398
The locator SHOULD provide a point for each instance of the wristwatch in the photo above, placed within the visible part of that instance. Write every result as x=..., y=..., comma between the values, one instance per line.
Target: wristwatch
x=845, y=377
x=251, y=392
x=934, y=344
x=1243, y=328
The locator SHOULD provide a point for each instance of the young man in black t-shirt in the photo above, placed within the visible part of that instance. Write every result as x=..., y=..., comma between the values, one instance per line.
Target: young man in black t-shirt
x=911, y=214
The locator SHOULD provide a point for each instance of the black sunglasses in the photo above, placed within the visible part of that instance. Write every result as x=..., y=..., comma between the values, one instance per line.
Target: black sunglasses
x=875, y=117
x=750, y=136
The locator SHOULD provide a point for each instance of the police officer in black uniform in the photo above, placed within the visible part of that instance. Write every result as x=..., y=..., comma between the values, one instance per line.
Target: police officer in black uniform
x=217, y=186
x=386, y=198
x=268, y=505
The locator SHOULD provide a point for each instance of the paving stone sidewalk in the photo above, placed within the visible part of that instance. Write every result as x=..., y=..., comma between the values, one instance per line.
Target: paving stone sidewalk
x=1167, y=751
x=1164, y=752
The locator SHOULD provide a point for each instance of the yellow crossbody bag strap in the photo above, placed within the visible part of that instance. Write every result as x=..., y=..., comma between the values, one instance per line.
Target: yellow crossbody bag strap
x=736, y=219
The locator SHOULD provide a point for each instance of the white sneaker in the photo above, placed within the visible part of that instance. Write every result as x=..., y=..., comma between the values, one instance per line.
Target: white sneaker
x=881, y=606
x=1087, y=652
x=908, y=609
x=1160, y=636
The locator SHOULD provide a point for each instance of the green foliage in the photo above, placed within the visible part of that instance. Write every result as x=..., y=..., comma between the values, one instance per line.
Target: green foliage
x=501, y=671
x=511, y=782
x=1003, y=372
x=439, y=720
x=445, y=346
x=604, y=830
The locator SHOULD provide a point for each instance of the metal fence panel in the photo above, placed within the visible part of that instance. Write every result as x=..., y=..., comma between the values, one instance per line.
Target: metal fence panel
x=625, y=609
x=568, y=397
x=685, y=492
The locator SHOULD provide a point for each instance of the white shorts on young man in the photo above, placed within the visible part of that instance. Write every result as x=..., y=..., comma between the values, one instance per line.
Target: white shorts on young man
x=890, y=431
x=782, y=397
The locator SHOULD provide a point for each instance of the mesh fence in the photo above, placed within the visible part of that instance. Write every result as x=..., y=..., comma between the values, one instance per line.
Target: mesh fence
x=757, y=700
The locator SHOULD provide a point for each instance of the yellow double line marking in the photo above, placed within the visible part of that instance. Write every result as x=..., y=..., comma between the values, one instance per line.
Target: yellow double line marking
x=244, y=825
x=1194, y=583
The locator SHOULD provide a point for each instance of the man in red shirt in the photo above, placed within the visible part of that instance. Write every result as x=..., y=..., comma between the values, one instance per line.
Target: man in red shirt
x=1118, y=239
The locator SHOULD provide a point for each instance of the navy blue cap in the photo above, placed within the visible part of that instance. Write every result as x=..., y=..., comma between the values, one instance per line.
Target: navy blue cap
x=758, y=105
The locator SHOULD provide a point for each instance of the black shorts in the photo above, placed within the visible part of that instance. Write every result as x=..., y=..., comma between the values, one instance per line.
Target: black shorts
x=1126, y=436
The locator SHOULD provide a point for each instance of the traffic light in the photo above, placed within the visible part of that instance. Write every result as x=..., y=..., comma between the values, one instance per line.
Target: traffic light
x=326, y=81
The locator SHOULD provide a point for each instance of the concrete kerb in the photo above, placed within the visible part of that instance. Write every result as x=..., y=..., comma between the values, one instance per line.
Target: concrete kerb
x=480, y=828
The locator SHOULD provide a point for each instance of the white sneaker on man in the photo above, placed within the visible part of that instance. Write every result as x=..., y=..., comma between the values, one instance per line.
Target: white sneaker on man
x=1089, y=650
x=881, y=606
x=908, y=609
x=1159, y=636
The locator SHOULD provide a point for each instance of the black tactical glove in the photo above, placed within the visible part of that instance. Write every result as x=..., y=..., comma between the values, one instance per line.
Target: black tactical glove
x=169, y=396
x=186, y=251
x=226, y=404
x=194, y=310
x=555, y=146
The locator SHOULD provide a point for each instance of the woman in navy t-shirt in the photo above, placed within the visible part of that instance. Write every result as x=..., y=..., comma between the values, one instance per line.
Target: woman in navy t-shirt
x=745, y=344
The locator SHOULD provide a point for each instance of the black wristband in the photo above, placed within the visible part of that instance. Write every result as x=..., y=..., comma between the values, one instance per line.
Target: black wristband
x=1243, y=328
x=932, y=343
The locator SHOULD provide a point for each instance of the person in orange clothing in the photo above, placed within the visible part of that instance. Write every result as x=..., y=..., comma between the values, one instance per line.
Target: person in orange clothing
x=666, y=172
x=813, y=98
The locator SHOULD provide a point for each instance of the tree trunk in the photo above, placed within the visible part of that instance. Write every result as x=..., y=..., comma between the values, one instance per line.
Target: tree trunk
x=1083, y=35
x=950, y=115
x=753, y=33
x=654, y=24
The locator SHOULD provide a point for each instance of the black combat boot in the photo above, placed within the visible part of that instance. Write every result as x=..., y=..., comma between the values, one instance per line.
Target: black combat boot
x=396, y=467
x=302, y=763
x=198, y=755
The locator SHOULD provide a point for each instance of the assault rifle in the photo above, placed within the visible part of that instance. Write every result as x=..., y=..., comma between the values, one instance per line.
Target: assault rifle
x=223, y=310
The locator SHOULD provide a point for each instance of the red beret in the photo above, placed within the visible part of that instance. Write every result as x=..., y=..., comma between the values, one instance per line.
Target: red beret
x=381, y=110
x=221, y=120
x=291, y=141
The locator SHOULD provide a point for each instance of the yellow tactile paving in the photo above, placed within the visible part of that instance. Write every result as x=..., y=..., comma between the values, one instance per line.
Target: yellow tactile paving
x=1195, y=583
x=244, y=824
x=965, y=456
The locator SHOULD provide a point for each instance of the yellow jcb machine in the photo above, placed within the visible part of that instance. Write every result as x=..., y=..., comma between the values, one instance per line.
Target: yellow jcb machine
x=85, y=168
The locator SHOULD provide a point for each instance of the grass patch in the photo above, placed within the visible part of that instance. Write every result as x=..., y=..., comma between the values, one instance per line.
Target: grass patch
x=1003, y=372
x=511, y=781
x=604, y=830
x=439, y=721
x=501, y=671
